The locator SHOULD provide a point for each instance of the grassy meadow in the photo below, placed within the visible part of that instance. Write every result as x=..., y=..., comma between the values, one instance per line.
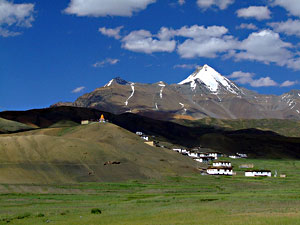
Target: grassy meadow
x=194, y=199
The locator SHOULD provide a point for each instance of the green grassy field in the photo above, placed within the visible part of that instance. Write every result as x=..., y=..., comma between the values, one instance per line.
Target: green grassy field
x=194, y=199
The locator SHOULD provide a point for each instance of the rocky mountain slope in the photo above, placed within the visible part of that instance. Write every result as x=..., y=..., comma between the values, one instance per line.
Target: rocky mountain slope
x=205, y=93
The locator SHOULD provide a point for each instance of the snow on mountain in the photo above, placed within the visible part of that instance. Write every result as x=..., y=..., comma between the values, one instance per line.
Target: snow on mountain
x=117, y=80
x=211, y=79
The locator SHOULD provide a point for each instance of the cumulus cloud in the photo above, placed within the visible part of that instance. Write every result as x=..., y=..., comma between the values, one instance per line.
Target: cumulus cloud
x=79, y=89
x=185, y=66
x=108, y=61
x=265, y=46
x=221, y=4
x=292, y=6
x=289, y=27
x=196, y=31
x=204, y=42
x=247, y=78
x=208, y=48
x=14, y=15
x=249, y=26
x=98, y=8
x=288, y=83
x=144, y=41
x=263, y=82
x=257, y=12
x=111, y=32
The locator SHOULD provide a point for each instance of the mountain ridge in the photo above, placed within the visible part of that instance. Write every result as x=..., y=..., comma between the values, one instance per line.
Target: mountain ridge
x=205, y=93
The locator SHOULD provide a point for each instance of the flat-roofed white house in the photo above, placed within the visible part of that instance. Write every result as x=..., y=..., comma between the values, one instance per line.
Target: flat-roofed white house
x=222, y=164
x=242, y=155
x=205, y=159
x=146, y=138
x=139, y=133
x=235, y=157
x=84, y=122
x=177, y=150
x=193, y=154
x=258, y=173
x=215, y=154
x=219, y=171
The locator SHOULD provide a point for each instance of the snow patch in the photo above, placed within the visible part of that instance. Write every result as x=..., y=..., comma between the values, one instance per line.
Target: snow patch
x=109, y=83
x=211, y=79
x=156, y=107
x=132, y=88
x=297, y=111
x=182, y=105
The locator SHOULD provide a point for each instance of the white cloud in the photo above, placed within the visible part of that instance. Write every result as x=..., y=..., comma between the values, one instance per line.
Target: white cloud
x=204, y=42
x=208, y=48
x=257, y=12
x=144, y=41
x=7, y=33
x=14, y=15
x=288, y=83
x=111, y=32
x=185, y=66
x=263, y=82
x=221, y=4
x=265, y=46
x=196, y=31
x=247, y=78
x=79, y=89
x=249, y=26
x=98, y=8
x=292, y=6
x=181, y=2
x=289, y=27
x=107, y=61
x=242, y=77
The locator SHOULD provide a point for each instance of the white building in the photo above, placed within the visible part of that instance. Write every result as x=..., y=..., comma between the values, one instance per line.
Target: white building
x=205, y=159
x=145, y=138
x=219, y=171
x=222, y=164
x=258, y=173
x=177, y=150
x=234, y=157
x=184, y=151
x=139, y=133
x=193, y=154
x=215, y=154
x=84, y=122
x=242, y=155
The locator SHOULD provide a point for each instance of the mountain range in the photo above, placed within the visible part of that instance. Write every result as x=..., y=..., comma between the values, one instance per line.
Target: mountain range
x=205, y=93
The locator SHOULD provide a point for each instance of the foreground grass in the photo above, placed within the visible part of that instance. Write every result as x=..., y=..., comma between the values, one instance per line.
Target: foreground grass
x=174, y=200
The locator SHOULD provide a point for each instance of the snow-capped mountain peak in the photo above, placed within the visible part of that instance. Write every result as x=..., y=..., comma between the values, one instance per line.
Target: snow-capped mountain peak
x=212, y=80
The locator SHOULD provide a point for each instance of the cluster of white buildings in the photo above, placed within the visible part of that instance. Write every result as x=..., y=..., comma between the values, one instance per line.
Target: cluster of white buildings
x=220, y=168
x=238, y=156
x=203, y=157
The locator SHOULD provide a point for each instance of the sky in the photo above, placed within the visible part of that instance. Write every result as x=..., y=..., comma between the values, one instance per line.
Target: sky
x=57, y=50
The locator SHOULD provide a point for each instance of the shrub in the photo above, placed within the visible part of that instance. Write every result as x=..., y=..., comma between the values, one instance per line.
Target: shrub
x=40, y=215
x=23, y=216
x=64, y=212
x=96, y=211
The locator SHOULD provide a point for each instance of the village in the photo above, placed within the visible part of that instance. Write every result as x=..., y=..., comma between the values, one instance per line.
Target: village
x=214, y=166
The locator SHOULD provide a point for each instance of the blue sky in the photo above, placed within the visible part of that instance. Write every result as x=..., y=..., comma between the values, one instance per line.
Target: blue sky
x=57, y=50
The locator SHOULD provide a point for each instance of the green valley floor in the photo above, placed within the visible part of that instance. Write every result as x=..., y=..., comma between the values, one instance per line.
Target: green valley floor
x=195, y=199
